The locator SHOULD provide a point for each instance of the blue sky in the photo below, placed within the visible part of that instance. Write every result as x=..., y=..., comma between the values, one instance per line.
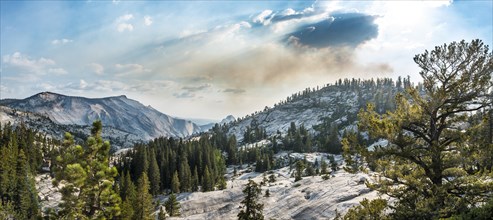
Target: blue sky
x=213, y=58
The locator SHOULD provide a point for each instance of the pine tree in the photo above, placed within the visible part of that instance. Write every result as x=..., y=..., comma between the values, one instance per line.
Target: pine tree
x=143, y=205
x=172, y=205
x=154, y=174
x=427, y=153
x=161, y=215
x=175, y=183
x=129, y=196
x=195, y=180
x=309, y=170
x=323, y=167
x=207, y=184
x=371, y=210
x=252, y=209
x=25, y=194
x=87, y=178
x=185, y=175
x=299, y=170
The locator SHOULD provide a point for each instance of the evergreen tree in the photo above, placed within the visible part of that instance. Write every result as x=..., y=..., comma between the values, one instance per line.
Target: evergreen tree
x=143, y=205
x=128, y=194
x=185, y=175
x=207, y=184
x=300, y=166
x=370, y=210
x=175, y=183
x=309, y=170
x=323, y=167
x=25, y=193
x=252, y=208
x=427, y=153
x=195, y=180
x=333, y=163
x=154, y=174
x=172, y=205
x=87, y=178
x=161, y=215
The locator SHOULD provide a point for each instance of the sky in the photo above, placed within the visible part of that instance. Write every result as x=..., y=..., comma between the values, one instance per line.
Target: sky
x=210, y=59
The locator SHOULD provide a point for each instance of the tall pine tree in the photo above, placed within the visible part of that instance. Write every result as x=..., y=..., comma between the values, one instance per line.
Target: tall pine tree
x=252, y=209
x=426, y=164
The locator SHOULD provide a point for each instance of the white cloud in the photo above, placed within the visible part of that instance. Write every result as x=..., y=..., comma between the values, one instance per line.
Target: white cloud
x=57, y=71
x=125, y=27
x=263, y=18
x=288, y=11
x=4, y=89
x=116, y=2
x=61, y=41
x=147, y=20
x=125, y=17
x=27, y=63
x=82, y=84
x=123, y=23
x=96, y=68
x=412, y=26
x=130, y=69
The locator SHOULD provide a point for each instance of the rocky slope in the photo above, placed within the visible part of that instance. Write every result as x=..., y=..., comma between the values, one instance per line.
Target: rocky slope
x=332, y=104
x=118, y=112
x=309, y=198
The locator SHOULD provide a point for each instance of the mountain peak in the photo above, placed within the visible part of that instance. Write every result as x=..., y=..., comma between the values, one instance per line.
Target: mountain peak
x=228, y=119
x=48, y=96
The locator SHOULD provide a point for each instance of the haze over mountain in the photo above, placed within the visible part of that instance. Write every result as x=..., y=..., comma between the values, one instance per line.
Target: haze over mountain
x=118, y=112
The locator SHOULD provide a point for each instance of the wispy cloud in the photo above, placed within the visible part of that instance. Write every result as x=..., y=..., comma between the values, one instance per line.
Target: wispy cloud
x=123, y=23
x=61, y=41
x=57, y=71
x=147, y=20
x=130, y=69
x=30, y=69
x=24, y=61
x=234, y=91
x=96, y=68
x=184, y=95
x=196, y=88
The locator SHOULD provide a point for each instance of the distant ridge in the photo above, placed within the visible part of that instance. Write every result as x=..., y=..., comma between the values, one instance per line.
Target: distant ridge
x=117, y=111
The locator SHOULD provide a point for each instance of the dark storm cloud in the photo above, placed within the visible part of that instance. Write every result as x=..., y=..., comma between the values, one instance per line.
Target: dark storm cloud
x=350, y=29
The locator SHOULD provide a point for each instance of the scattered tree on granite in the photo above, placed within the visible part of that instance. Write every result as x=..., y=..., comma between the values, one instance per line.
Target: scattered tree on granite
x=323, y=167
x=172, y=206
x=252, y=209
x=427, y=164
x=161, y=215
x=300, y=166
